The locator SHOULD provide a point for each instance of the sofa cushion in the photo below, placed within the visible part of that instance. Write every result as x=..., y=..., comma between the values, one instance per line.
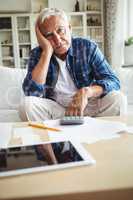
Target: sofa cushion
x=126, y=77
x=11, y=87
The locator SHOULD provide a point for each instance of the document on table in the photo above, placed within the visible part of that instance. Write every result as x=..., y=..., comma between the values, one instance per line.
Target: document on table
x=11, y=134
x=129, y=129
x=26, y=135
x=5, y=134
x=29, y=135
x=91, y=131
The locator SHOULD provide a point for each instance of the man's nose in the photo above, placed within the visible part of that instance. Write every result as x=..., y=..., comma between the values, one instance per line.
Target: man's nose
x=56, y=38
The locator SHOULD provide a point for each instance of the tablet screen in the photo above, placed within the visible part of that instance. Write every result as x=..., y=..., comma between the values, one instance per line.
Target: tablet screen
x=39, y=155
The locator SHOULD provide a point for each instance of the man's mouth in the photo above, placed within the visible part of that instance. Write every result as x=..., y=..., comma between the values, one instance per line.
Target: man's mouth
x=60, y=46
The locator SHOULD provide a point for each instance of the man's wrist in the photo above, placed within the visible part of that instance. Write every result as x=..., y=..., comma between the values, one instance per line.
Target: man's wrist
x=93, y=91
x=46, y=53
x=89, y=92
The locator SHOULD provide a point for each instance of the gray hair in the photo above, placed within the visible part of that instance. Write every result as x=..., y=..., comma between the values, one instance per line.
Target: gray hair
x=47, y=12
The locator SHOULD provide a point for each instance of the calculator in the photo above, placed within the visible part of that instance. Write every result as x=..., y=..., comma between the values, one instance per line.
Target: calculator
x=72, y=120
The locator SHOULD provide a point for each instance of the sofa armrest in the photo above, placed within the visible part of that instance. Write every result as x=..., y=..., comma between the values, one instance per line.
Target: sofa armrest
x=11, y=87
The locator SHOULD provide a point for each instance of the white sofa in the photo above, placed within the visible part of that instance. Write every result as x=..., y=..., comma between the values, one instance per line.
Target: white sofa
x=10, y=93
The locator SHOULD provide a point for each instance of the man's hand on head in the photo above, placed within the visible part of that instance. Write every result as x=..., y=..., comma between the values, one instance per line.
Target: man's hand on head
x=43, y=42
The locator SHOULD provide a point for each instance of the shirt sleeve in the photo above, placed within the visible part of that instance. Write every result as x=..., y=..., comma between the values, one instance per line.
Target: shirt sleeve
x=30, y=87
x=103, y=73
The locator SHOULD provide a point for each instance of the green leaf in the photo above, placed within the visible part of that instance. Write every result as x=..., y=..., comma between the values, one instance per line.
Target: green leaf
x=130, y=40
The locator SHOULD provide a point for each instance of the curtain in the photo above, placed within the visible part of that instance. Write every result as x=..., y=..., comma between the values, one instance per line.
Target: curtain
x=110, y=13
x=115, y=31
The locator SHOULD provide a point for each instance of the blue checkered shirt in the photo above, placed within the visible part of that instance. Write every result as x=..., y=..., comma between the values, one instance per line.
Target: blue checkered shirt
x=85, y=63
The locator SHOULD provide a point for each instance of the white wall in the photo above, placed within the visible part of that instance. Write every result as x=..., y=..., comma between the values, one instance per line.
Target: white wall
x=14, y=5
x=67, y=5
x=120, y=34
x=25, y=5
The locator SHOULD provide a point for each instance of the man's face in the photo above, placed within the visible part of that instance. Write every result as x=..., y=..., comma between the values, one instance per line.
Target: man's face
x=57, y=31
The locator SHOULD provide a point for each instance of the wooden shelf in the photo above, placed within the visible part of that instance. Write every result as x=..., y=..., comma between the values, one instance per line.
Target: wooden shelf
x=8, y=44
x=25, y=43
x=20, y=27
x=8, y=58
x=5, y=30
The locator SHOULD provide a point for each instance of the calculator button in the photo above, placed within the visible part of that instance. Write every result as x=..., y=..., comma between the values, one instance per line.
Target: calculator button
x=72, y=120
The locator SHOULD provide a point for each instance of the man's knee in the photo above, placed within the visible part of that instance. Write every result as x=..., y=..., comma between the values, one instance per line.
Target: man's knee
x=26, y=106
x=115, y=102
x=117, y=97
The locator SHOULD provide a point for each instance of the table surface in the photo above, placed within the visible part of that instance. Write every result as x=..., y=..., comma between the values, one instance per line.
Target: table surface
x=111, y=177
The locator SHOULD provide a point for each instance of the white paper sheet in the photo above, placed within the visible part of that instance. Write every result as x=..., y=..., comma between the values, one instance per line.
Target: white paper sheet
x=129, y=129
x=27, y=135
x=91, y=131
x=5, y=134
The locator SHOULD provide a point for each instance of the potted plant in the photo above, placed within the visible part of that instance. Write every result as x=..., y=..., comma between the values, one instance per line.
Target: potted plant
x=128, y=51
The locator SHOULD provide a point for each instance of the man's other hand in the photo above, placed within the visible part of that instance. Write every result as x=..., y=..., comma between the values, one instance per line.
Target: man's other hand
x=78, y=103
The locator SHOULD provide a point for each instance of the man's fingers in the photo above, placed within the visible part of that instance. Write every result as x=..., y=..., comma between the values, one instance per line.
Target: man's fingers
x=73, y=111
x=79, y=112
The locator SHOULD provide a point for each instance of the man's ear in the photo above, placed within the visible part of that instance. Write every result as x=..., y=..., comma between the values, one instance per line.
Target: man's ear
x=70, y=27
x=40, y=26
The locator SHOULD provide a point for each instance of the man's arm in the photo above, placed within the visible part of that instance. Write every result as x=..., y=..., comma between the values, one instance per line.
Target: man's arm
x=39, y=73
x=105, y=81
x=104, y=75
x=34, y=83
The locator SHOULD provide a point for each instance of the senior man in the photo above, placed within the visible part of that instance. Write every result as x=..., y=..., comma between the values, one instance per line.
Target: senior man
x=67, y=75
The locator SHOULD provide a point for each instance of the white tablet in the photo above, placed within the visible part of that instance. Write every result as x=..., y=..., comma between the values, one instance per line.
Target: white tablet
x=41, y=157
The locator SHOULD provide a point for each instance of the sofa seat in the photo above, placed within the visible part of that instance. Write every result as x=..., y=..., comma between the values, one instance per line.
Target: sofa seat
x=9, y=116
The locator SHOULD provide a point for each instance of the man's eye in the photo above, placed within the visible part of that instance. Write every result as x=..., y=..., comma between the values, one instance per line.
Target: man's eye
x=61, y=31
x=48, y=35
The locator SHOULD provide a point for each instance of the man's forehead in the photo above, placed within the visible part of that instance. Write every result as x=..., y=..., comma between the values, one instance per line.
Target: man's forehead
x=55, y=21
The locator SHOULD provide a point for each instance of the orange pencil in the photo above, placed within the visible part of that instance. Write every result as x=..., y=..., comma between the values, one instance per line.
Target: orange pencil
x=42, y=126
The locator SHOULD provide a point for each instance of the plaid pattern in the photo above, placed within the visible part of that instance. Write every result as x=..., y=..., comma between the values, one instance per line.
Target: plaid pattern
x=85, y=63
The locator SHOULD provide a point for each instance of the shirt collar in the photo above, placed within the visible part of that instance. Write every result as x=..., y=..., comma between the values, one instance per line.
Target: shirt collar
x=70, y=51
